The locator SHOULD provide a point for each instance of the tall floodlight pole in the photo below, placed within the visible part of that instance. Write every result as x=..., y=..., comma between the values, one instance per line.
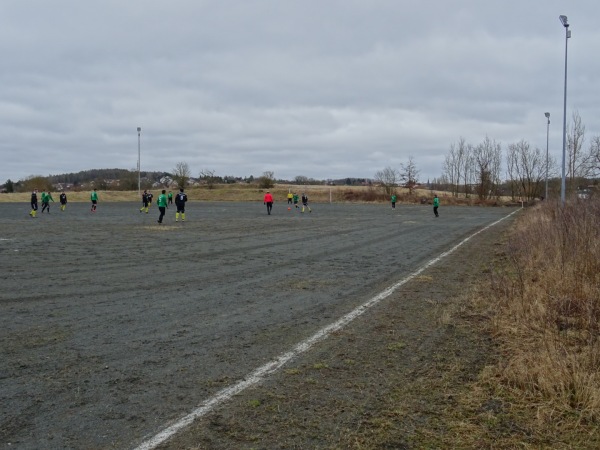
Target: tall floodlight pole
x=547, y=141
x=139, y=130
x=563, y=187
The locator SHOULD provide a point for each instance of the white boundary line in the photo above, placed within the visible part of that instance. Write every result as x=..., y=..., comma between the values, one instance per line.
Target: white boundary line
x=274, y=365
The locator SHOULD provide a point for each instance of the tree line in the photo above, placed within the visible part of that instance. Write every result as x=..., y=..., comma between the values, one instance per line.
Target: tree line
x=520, y=172
x=407, y=176
x=477, y=169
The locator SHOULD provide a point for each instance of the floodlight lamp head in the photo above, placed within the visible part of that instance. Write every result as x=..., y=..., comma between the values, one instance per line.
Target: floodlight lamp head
x=139, y=129
x=564, y=21
x=547, y=115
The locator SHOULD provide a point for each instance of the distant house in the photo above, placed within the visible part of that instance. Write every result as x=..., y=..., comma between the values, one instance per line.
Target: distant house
x=62, y=186
x=584, y=194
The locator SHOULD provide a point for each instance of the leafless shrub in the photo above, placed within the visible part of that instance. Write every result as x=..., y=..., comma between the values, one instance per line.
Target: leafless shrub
x=368, y=195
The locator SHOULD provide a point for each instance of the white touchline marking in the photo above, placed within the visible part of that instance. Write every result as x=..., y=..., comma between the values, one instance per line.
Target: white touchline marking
x=271, y=367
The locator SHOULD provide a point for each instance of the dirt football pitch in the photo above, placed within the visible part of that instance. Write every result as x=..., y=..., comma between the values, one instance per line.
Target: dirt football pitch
x=114, y=327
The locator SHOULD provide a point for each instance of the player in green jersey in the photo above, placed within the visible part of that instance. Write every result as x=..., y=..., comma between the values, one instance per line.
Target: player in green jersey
x=94, y=199
x=436, y=205
x=46, y=199
x=162, y=205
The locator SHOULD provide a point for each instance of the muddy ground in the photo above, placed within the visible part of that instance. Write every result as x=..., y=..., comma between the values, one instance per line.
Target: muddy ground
x=113, y=326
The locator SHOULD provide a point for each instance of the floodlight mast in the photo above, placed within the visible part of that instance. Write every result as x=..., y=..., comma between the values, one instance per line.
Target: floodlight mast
x=565, y=23
x=139, y=130
x=547, y=114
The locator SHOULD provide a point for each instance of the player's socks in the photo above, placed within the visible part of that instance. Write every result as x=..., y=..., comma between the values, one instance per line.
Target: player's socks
x=183, y=217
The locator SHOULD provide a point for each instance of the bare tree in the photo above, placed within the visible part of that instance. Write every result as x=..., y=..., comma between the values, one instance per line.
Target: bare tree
x=208, y=175
x=388, y=179
x=526, y=168
x=35, y=182
x=594, y=160
x=458, y=167
x=454, y=164
x=301, y=179
x=266, y=180
x=441, y=183
x=578, y=160
x=511, y=170
x=181, y=174
x=409, y=174
x=129, y=180
x=468, y=170
x=487, y=159
x=450, y=171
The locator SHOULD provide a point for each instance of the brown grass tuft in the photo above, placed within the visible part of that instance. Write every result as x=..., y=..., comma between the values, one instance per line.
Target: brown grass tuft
x=545, y=304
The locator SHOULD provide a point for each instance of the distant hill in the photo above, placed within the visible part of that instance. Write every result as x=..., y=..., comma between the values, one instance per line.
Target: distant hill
x=87, y=176
x=103, y=179
x=126, y=180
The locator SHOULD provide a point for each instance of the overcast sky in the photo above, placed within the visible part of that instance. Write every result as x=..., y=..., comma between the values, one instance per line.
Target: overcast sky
x=318, y=88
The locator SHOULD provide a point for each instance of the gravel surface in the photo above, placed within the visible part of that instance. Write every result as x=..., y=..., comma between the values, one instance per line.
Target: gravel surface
x=114, y=326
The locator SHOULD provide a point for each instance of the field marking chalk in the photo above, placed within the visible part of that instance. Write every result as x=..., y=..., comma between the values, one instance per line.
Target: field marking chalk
x=274, y=365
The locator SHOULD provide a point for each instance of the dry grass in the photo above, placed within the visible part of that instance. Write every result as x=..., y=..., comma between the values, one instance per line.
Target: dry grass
x=103, y=196
x=544, y=302
x=252, y=193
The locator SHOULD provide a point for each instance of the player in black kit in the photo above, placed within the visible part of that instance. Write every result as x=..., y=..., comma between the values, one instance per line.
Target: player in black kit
x=180, y=200
x=144, y=202
x=34, y=204
x=63, y=200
